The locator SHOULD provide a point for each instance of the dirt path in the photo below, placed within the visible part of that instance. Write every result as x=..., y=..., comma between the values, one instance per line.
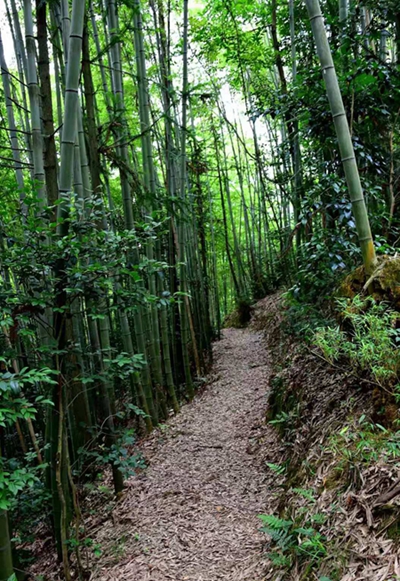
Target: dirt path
x=192, y=515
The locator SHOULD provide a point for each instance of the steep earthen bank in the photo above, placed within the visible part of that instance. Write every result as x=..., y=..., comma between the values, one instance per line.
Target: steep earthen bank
x=340, y=469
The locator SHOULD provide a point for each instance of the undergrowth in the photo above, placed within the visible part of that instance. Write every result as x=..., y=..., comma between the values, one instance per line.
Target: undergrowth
x=298, y=541
x=369, y=339
x=360, y=340
x=303, y=318
x=363, y=442
x=241, y=315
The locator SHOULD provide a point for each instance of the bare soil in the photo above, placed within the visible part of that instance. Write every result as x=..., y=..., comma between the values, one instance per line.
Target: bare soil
x=192, y=515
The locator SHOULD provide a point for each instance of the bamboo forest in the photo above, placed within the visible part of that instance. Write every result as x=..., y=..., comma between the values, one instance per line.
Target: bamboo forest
x=199, y=290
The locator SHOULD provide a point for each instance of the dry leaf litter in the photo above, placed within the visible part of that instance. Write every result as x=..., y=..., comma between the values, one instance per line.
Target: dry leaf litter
x=350, y=494
x=192, y=515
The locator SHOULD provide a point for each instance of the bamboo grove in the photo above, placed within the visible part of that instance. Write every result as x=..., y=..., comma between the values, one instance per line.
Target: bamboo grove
x=161, y=162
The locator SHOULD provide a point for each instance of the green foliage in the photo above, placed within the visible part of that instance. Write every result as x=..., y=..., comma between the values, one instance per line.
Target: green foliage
x=285, y=422
x=118, y=454
x=86, y=543
x=303, y=318
x=277, y=468
x=11, y=483
x=31, y=507
x=330, y=341
x=11, y=384
x=371, y=343
x=15, y=478
x=296, y=541
x=324, y=259
x=238, y=220
x=20, y=487
x=364, y=442
x=123, y=365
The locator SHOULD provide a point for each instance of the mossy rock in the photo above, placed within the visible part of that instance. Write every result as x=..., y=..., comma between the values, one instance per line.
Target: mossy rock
x=352, y=284
x=383, y=284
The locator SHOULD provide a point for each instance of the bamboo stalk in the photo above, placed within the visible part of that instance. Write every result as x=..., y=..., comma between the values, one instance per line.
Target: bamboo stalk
x=34, y=100
x=343, y=134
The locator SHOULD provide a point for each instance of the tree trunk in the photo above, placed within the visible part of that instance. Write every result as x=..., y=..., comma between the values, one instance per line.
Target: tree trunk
x=33, y=88
x=50, y=155
x=343, y=136
x=6, y=562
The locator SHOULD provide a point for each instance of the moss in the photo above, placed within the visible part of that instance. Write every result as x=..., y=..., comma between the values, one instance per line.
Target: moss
x=384, y=282
x=390, y=521
x=393, y=532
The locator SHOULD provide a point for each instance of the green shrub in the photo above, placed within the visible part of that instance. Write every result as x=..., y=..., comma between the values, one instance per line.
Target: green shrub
x=371, y=341
x=296, y=541
x=302, y=318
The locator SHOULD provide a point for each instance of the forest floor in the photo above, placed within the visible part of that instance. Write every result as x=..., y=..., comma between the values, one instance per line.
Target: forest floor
x=193, y=513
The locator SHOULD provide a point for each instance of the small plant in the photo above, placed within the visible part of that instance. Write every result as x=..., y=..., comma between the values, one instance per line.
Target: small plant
x=297, y=541
x=277, y=468
x=330, y=340
x=305, y=493
x=285, y=422
x=119, y=548
x=87, y=543
x=118, y=454
x=371, y=344
x=364, y=442
x=293, y=542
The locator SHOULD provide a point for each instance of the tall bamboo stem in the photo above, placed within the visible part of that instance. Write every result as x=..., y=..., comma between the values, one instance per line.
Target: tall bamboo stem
x=343, y=135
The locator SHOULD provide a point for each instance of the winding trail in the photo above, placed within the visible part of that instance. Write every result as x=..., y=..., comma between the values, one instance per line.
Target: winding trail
x=192, y=515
